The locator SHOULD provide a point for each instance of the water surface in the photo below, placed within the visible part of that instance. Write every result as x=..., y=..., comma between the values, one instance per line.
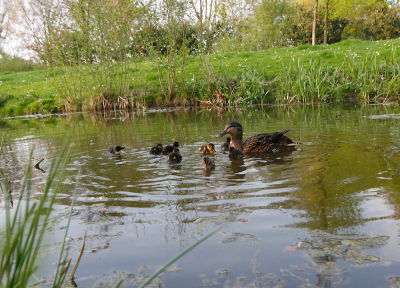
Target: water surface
x=325, y=214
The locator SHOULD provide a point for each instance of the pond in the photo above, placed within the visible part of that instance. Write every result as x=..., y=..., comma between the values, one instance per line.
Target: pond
x=325, y=214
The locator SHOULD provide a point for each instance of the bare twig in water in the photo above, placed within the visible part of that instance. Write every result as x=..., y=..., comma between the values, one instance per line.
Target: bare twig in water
x=9, y=192
x=37, y=166
x=80, y=256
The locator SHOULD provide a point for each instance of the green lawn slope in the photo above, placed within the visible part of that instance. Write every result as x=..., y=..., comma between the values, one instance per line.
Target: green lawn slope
x=351, y=69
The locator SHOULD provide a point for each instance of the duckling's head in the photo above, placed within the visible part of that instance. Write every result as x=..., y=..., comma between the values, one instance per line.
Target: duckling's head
x=232, y=128
x=119, y=148
x=211, y=148
x=159, y=146
x=176, y=144
x=176, y=150
x=228, y=140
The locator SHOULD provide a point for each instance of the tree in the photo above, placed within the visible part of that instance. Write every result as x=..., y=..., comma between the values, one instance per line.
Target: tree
x=314, y=22
x=4, y=6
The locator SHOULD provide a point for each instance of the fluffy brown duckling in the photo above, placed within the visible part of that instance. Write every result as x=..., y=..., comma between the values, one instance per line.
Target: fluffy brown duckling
x=115, y=149
x=235, y=153
x=207, y=149
x=225, y=145
x=170, y=148
x=207, y=163
x=174, y=157
x=261, y=143
x=156, y=150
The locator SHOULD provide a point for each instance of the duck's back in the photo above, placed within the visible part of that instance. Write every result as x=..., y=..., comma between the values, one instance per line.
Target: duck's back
x=266, y=142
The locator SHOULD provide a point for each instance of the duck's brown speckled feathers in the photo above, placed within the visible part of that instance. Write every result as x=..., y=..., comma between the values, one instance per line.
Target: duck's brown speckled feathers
x=261, y=143
x=174, y=157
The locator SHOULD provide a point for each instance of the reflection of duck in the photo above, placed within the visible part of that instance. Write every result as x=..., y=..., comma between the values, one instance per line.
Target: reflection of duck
x=207, y=163
x=261, y=143
x=225, y=146
x=235, y=153
x=156, y=150
x=170, y=148
x=174, y=157
x=207, y=149
x=115, y=149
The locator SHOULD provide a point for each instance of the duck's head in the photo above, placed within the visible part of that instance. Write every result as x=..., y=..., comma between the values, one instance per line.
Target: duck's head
x=176, y=144
x=119, y=148
x=176, y=150
x=211, y=148
x=159, y=146
x=232, y=128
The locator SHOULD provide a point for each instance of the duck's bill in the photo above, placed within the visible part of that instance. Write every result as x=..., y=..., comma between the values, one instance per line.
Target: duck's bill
x=222, y=134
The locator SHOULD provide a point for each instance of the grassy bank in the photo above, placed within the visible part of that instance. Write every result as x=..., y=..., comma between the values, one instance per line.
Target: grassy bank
x=352, y=69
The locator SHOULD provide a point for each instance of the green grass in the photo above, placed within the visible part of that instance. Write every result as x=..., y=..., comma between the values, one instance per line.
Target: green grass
x=352, y=68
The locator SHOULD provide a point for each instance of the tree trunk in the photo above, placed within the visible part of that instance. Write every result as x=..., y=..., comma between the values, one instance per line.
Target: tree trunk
x=326, y=23
x=314, y=25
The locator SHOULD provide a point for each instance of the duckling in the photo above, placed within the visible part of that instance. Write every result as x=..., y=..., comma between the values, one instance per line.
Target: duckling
x=169, y=148
x=225, y=146
x=156, y=150
x=174, y=157
x=261, y=143
x=207, y=163
x=207, y=149
x=115, y=149
x=235, y=153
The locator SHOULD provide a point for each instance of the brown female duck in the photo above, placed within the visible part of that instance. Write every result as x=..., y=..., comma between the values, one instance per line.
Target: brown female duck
x=261, y=143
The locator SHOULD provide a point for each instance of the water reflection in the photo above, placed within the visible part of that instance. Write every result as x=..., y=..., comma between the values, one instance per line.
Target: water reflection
x=342, y=181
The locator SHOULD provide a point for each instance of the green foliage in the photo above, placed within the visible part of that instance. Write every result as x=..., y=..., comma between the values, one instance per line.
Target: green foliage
x=382, y=24
x=268, y=25
x=15, y=64
x=300, y=30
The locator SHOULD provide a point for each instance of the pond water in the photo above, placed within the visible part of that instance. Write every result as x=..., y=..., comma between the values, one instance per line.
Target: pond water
x=323, y=215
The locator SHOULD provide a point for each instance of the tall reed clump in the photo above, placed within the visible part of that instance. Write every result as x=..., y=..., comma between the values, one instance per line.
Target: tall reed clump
x=374, y=78
x=25, y=226
x=366, y=77
x=306, y=82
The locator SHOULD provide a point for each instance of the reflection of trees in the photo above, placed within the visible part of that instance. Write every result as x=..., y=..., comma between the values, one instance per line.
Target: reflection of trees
x=329, y=190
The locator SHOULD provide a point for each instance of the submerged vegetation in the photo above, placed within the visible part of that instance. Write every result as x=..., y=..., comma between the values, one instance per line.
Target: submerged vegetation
x=349, y=70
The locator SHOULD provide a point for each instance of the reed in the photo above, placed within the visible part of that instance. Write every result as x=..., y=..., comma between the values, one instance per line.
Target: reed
x=26, y=223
